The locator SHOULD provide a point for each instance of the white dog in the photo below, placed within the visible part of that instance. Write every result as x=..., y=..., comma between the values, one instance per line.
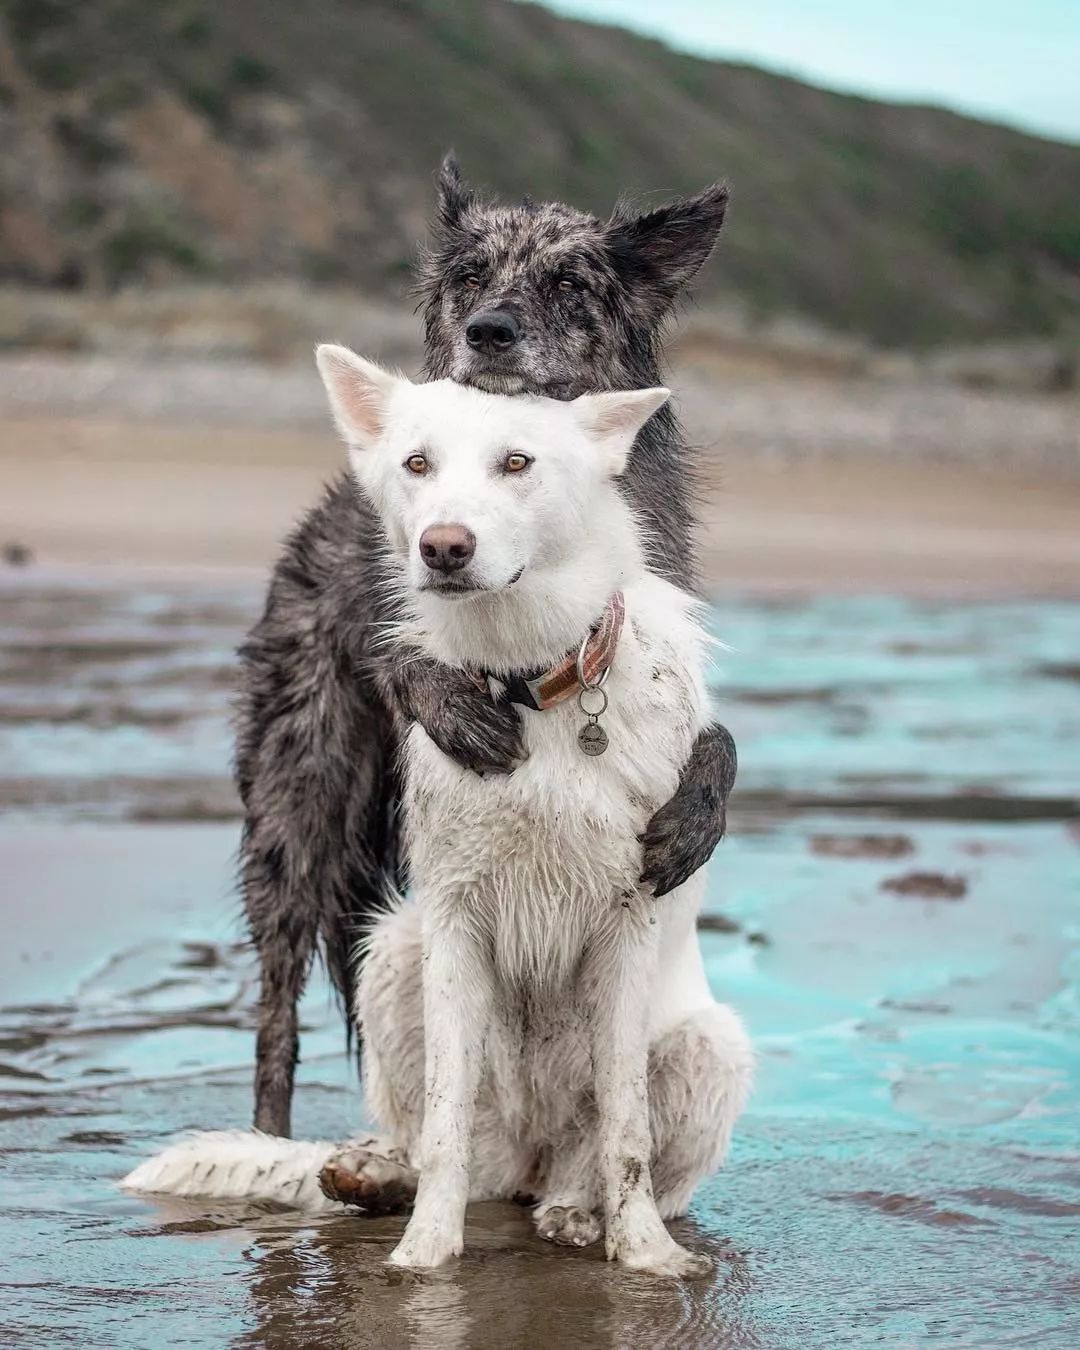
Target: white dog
x=533, y=1020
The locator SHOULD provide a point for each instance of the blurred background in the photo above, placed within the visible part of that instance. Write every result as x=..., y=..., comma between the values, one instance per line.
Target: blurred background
x=880, y=363
x=881, y=370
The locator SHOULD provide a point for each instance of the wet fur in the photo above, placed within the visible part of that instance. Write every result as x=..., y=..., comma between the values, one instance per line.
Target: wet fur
x=323, y=703
x=532, y=1017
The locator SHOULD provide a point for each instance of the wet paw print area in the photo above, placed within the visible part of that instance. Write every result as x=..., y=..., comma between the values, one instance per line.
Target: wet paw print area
x=895, y=912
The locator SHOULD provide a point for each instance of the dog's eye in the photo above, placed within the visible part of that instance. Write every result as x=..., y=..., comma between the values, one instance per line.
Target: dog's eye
x=516, y=462
x=417, y=464
x=471, y=282
x=567, y=284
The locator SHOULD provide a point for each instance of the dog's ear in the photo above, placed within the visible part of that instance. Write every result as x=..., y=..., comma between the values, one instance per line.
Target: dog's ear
x=452, y=197
x=657, y=254
x=358, y=390
x=612, y=420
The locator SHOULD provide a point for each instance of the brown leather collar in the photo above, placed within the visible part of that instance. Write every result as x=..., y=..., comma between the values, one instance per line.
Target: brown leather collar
x=545, y=688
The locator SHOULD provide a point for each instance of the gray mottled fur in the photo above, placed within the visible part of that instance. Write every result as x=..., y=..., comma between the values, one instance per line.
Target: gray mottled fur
x=322, y=703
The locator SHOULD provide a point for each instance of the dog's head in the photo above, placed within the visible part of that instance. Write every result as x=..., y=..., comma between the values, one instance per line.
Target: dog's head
x=474, y=490
x=546, y=299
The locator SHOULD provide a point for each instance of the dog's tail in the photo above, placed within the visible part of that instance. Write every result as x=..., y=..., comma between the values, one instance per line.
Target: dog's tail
x=239, y=1165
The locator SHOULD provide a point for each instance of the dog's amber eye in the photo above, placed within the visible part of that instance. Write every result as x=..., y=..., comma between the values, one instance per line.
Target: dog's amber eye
x=472, y=282
x=516, y=462
x=416, y=464
x=565, y=284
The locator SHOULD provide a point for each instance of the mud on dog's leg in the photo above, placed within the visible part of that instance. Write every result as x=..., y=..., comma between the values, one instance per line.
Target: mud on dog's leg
x=620, y=976
x=457, y=1013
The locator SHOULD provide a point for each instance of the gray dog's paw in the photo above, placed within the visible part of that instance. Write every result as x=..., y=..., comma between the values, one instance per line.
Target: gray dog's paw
x=465, y=722
x=681, y=836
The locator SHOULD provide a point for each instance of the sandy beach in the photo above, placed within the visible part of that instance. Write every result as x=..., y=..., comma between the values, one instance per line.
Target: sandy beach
x=806, y=483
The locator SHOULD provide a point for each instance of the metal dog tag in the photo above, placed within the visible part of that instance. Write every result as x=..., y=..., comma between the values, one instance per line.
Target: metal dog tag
x=592, y=738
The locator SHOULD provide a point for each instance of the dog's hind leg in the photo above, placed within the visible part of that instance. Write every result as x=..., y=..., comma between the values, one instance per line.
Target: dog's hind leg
x=372, y=1174
x=307, y=881
x=699, y=1079
x=238, y=1165
x=315, y=768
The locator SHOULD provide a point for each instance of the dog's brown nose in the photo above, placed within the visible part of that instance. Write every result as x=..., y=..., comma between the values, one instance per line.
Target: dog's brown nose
x=447, y=548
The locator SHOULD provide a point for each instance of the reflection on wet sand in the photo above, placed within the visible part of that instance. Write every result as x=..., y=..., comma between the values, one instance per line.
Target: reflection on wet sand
x=328, y=1285
x=895, y=916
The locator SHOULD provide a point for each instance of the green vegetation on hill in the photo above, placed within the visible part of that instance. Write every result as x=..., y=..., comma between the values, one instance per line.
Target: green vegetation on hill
x=151, y=140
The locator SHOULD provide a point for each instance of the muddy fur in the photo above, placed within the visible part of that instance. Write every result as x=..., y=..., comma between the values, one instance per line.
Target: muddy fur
x=324, y=697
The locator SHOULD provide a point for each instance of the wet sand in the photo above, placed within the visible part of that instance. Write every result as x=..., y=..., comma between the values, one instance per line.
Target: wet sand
x=894, y=912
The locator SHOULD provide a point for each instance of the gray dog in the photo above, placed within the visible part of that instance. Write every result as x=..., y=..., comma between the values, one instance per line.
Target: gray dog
x=523, y=299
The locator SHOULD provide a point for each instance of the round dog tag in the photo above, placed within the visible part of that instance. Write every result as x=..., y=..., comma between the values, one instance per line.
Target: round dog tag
x=593, y=739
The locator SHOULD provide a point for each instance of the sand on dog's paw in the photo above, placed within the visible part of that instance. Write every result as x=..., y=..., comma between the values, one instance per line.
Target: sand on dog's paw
x=370, y=1182
x=569, y=1226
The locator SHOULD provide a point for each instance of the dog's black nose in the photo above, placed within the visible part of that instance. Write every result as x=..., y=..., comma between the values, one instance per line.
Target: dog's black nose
x=447, y=548
x=493, y=332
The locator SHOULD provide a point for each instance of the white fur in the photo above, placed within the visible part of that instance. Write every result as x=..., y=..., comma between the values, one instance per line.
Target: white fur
x=237, y=1165
x=550, y=520
x=532, y=1019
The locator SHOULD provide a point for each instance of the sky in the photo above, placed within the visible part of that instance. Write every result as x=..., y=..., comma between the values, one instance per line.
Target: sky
x=1012, y=61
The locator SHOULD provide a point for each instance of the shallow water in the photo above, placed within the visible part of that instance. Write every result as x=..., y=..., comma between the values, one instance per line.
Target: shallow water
x=895, y=912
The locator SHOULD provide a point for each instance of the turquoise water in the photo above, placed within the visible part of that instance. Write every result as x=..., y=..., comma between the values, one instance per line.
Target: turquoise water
x=896, y=912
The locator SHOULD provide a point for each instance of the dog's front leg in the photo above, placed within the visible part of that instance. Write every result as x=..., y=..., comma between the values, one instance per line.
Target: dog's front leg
x=457, y=1014
x=621, y=977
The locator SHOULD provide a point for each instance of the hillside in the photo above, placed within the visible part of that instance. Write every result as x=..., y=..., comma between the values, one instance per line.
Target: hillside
x=145, y=141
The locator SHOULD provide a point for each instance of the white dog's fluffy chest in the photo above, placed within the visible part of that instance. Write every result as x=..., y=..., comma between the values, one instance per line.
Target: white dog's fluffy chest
x=540, y=860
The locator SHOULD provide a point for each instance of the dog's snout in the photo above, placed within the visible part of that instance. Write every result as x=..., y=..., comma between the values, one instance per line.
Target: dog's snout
x=447, y=548
x=493, y=332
